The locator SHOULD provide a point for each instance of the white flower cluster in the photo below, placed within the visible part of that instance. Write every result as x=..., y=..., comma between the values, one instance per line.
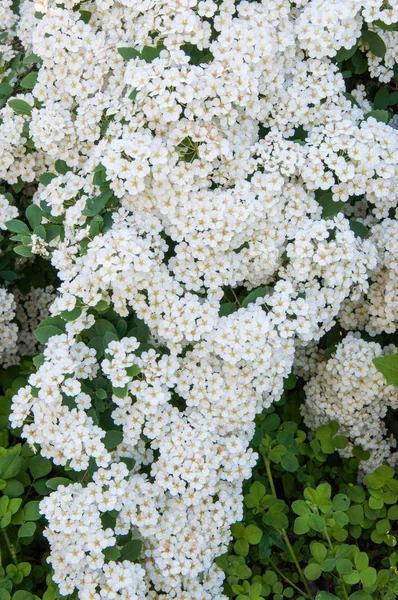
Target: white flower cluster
x=7, y=211
x=377, y=310
x=8, y=329
x=31, y=309
x=350, y=390
x=212, y=189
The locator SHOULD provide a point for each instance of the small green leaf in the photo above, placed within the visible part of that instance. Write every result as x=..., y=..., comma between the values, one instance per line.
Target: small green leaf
x=343, y=566
x=128, y=53
x=39, y=466
x=313, y=571
x=254, y=294
x=17, y=226
x=112, y=439
x=10, y=465
x=5, y=88
x=359, y=229
x=43, y=334
x=131, y=551
x=318, y=551
x=20, y=106
x=301, y=525
x=253, y=534
x=379, y=115
x=34, y=215
x=55, y=482
x=375, y=43
x=31, y=510
x=388, y=366
x=29, y=81
x=27, y=529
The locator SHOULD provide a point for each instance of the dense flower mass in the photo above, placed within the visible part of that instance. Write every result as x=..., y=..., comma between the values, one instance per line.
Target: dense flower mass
x=348, y=389
x=188, y=158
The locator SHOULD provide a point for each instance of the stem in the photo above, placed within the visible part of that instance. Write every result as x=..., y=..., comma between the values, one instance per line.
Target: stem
x=10, y=547
x=284, y=534
x=290, y=582
x=340, y=579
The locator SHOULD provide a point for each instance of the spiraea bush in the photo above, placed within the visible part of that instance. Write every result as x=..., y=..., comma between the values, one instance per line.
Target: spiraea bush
x=198, y=311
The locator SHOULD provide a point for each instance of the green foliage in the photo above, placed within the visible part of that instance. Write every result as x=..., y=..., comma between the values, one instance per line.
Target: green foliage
x=319, y=533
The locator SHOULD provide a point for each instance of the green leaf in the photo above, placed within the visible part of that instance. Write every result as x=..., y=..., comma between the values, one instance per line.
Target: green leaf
x=32, y=58
x=112, y=439
x=379, y=115
x=343, y=566
x=382, y=98
x=55, y=482
x=27, y=529
x=254, y=294
x=330, y=208
x=355, y=514
x=71, y=315
x=17, y=226
x=29, y=81
x=4, y=595
x=241, y=547
x=388, y=366
x=359, y=229
x=227, y=309
x=34, y=215
x=341, y=502
x=133, y=371
x=346, y=53
x=326, y=596
x=301, y=525
x=318, y=551
x=316, y=522
x=31, y=510
x=61, y=167
x=313, y=571
x=131, y=551
x=383, y=526
x=20, y=106
x=393, y=513
x=112, y=553
x=128, y=53
x=23, y=595
x=39, y=466
x=368, y=576
x=5, y=88
x=43, y=334
x=375, y=43
x=95, y=205
x=301, y=508
x=253, y=534
x=10, y=465
x=85, y=15
x=47, y=178
x=360, y=595
x=13, y=488
x=289, y=462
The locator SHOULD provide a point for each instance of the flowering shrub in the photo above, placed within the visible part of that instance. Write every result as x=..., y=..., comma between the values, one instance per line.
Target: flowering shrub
x=214, y=186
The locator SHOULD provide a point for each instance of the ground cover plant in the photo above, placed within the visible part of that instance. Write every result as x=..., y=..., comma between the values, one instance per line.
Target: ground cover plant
x=198, y=313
